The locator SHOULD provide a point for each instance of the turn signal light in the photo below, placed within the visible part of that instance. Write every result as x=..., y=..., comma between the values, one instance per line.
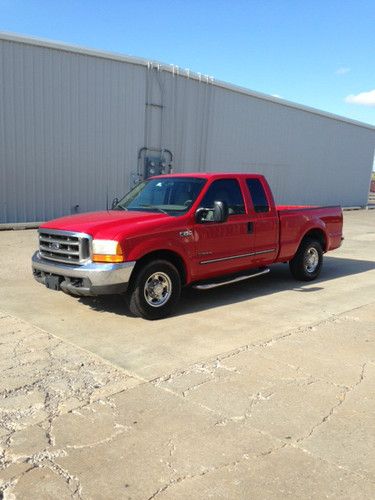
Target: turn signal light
x=107, y=251
x=107, y=258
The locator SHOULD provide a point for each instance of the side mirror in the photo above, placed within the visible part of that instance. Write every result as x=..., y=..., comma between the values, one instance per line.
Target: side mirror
x=201, y=214
x=114, y=202
x=221, y=211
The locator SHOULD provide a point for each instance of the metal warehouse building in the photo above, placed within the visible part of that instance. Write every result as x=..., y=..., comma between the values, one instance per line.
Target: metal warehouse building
x=79, y=127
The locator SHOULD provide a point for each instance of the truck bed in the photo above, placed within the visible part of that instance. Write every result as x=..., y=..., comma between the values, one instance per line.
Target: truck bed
x=295, y=221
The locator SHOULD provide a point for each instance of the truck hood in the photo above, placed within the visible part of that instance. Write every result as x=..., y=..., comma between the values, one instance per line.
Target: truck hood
x=106, y=224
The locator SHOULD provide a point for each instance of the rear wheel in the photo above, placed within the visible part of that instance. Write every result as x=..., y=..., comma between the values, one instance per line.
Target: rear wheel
x=154, y=290
x=307, y=263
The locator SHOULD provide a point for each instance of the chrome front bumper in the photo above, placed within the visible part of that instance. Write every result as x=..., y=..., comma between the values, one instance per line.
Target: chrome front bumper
x=88, y=279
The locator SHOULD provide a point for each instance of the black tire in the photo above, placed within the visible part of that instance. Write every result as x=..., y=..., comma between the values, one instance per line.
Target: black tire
x=300, y=266
x=139, y=296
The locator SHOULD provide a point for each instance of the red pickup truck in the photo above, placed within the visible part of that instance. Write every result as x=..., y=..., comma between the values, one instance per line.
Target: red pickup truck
x=171, y=231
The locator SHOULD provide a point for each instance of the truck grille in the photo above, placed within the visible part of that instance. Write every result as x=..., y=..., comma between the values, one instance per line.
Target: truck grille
x=64, y=246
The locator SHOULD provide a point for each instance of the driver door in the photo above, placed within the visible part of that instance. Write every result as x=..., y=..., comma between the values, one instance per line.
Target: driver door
x=223, y=248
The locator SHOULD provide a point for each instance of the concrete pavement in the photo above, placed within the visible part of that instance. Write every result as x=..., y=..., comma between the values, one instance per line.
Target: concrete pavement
x=261, y=389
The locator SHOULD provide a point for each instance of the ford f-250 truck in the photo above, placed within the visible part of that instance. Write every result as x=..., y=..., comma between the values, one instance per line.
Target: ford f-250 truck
x=172, y=231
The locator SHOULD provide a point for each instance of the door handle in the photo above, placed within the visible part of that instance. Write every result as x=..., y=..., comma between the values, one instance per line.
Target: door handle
x=250, y=227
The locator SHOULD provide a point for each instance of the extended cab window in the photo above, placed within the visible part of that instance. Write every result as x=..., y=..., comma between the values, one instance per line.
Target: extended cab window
x=227, y=190
x=170, y=195
x=258, y=195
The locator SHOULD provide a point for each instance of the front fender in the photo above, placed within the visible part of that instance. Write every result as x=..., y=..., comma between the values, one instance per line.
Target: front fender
x=141, y=247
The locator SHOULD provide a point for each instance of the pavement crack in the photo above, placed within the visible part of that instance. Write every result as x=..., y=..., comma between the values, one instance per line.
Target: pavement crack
x=120, y=429
x=361, y=476
x=7, y=486
x=272, y=450
x=210, y=365
x=204, y=472
x=342, y=397
x=210, y=368
x=178, y=480
x=46, y=459
x=196, y=386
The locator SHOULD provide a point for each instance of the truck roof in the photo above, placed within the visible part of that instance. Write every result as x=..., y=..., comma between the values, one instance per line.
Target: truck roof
x=210, y=175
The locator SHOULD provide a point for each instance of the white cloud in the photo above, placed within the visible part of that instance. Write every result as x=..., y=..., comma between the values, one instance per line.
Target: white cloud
x=364, y=98
x=343, y=70
x=276, y=95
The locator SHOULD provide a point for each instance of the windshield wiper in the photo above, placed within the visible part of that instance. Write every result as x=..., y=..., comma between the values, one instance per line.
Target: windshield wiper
x=156, y=208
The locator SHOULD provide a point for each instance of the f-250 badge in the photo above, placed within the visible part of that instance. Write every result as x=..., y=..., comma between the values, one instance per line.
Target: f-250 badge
x=186, y=234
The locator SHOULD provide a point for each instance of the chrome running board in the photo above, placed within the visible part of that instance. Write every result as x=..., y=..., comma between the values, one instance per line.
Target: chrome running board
x=208, y=286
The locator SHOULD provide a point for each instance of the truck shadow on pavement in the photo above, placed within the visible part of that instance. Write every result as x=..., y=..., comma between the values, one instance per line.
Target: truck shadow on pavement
x=278, y=280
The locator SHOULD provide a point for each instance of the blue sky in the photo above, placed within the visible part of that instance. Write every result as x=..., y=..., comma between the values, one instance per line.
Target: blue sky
x=318, y=53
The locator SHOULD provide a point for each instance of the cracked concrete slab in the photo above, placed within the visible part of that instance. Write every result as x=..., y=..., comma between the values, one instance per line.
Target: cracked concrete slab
x=333, y=350
x=290, y=399
x=348, y=438
x=41, y=482
x=206, y=323
x=273, y=477
x=159, y=433
x=261, y=390
x=42, y=379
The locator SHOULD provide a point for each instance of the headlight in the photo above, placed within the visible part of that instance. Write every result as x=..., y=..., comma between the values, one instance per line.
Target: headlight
x=107, y=251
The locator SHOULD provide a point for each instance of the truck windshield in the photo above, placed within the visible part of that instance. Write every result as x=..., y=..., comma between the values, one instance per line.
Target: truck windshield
x=169, y=195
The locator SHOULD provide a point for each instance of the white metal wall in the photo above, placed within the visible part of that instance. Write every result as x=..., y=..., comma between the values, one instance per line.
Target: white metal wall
x=71, y=126
x=307, y=158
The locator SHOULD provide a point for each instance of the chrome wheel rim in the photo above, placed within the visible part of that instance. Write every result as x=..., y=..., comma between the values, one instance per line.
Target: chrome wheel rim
x=311, y=260
x=157, y=289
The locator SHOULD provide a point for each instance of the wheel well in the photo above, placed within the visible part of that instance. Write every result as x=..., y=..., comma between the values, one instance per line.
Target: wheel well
x=317, y=234
x=168, y=255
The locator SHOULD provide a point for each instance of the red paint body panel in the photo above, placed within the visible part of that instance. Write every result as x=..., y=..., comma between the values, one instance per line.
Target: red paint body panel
x=213, y=249
x=296, y=222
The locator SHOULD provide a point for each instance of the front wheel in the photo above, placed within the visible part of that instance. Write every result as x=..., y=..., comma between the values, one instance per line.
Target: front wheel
x=155, y=290
x=307, y=263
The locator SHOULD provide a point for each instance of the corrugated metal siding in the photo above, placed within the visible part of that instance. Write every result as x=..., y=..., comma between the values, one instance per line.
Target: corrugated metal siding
x=71, y=126
x=306, y=157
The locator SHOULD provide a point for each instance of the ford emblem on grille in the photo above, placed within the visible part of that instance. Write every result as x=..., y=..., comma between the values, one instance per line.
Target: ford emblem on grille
x=64, y=246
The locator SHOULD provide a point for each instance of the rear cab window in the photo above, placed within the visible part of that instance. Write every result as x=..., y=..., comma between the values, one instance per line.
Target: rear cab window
x=258, y=196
